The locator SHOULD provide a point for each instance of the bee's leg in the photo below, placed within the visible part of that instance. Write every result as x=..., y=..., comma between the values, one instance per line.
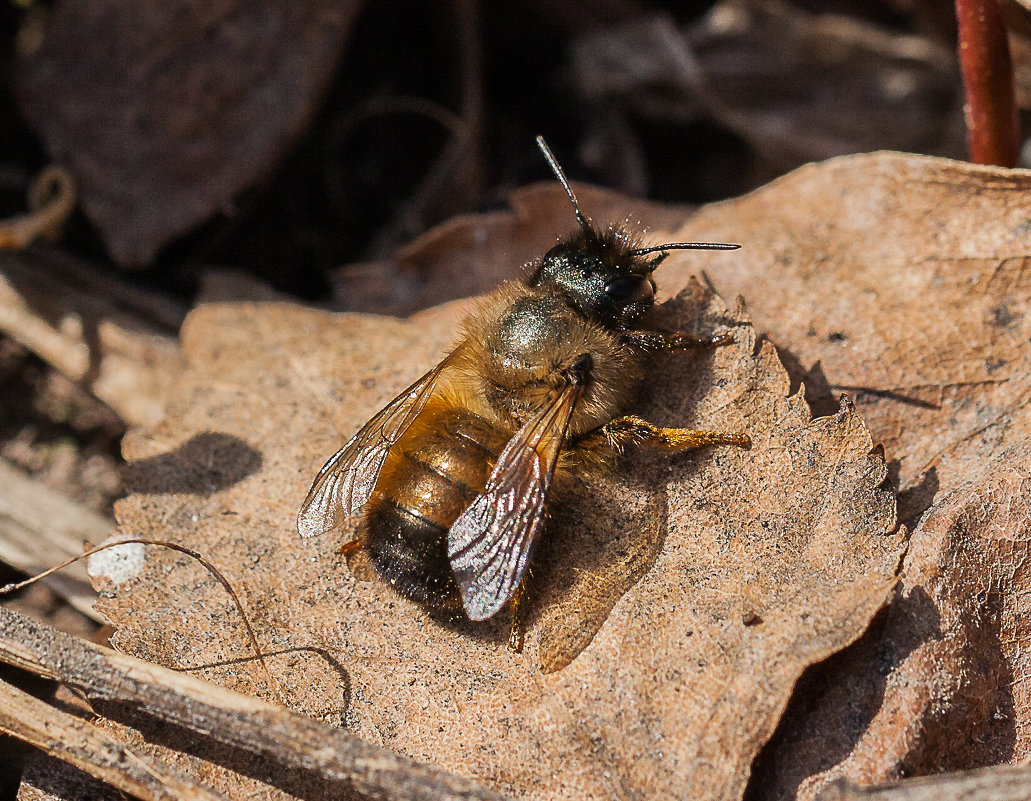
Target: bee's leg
x=674, y=340
x=350, y=547
x=630, y=430
x=518, y=630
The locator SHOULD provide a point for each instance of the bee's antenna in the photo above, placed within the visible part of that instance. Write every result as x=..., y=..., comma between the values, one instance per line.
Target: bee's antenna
x=555, y=168
x=684, y=246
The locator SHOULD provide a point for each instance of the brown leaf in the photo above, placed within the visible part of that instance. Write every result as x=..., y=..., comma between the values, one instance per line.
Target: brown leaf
x=471, y=255
x=798, y=86
x=673, y=640
x=164, y=114
x=903, y=280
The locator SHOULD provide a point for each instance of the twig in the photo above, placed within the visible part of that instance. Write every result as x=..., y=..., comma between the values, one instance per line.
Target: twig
x=993, y=131
x=88, y=748
x=287, y=738
x=51, y=201
x=116, y=344
x=214, y=571
x=39, y=527
x=1003, y=783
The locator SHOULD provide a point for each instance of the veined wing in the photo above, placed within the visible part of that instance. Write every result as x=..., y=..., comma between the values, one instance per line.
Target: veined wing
x=346, y=481
x=490, y=544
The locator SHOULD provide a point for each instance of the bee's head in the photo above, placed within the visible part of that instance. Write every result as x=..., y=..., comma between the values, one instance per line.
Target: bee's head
x=599, y=275
x=603, y=274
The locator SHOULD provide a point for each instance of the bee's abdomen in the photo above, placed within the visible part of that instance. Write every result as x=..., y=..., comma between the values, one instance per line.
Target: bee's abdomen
x=406, y=550
x=430, y=477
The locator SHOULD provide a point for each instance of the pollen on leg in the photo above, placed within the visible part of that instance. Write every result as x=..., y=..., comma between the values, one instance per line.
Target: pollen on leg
x=631, y=429
x=688, y=438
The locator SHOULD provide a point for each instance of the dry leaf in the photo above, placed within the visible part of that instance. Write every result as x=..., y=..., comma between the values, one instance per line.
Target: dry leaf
x=802, y=86
x=164, y=114
x=797, y=86
x=472, y=254
x=902, y=280
x=673, y=641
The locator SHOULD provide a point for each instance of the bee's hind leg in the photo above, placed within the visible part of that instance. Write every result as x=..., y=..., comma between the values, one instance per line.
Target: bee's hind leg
x=349, y=548
x=517, y=632
x=631, y=430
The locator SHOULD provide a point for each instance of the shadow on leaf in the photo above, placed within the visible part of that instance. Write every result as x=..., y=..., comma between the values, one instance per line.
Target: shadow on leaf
x=203, y=465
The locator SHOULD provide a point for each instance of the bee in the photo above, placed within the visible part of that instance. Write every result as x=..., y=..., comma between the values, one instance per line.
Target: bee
x=451, y=481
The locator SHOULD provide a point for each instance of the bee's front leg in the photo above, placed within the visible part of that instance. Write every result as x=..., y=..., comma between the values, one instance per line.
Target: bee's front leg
x=631, y=430
x=673, y=340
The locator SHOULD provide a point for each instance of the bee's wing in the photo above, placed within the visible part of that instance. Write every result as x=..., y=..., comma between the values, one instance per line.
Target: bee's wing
x=490, y=544
x=346, y=481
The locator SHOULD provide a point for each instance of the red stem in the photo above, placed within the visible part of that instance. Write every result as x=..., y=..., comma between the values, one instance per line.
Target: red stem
x=993, y=131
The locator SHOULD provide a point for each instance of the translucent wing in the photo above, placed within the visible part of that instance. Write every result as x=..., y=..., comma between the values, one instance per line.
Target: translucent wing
x=490, y=544
x=346, y=481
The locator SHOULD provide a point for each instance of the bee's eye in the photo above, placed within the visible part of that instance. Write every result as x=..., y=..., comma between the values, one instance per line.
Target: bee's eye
x=630, y=289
